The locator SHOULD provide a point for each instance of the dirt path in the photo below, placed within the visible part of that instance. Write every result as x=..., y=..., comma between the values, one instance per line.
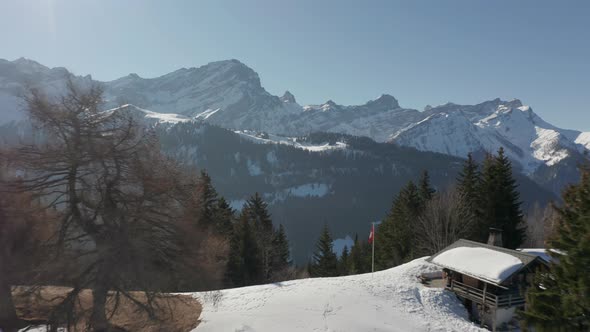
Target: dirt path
x=179, y=313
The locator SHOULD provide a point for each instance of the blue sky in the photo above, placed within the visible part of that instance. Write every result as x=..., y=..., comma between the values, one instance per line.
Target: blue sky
x=421, y=52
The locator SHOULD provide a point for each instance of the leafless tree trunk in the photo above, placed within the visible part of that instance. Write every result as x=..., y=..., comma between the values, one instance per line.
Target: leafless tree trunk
x=541, y=223
x=445, y=219
x=19, y=249
x=8, y=318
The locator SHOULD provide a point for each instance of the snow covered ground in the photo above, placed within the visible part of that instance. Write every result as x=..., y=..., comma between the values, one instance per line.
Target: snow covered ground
x=390, y=300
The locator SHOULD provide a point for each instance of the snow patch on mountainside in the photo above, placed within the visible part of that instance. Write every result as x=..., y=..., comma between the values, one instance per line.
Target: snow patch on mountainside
x=292, y=141
x=547, y=148
x=205, y=115
x=310, y=190
x=390, y=300
x=170, y=118
x=584, y=139
x=307, y=190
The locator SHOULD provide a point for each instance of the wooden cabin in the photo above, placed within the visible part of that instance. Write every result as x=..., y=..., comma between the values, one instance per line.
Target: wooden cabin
x=490, y=280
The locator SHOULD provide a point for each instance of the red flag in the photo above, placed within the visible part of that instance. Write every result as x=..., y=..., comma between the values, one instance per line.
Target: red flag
x=372, y=234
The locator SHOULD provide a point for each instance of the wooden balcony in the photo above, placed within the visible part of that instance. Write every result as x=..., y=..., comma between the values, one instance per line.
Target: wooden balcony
x=481, y=296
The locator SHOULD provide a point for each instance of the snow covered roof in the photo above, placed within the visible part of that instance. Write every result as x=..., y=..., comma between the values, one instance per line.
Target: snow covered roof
x=482, y=261
x=542, y=253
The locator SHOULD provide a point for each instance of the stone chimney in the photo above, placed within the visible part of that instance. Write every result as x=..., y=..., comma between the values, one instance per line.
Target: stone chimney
x=495, y=238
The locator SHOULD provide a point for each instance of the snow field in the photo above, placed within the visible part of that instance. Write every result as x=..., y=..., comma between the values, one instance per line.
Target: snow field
x=390, y=300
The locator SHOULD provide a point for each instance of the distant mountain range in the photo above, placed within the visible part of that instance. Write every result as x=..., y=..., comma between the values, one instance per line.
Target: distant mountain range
x=311, y=162
x=229, y=94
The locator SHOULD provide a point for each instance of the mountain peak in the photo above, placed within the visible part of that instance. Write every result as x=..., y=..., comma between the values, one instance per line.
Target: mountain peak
x=230, y=70
x=384, y=102
x=288, y=97
x=29, y=63
x=515, y=103
x=133, y=76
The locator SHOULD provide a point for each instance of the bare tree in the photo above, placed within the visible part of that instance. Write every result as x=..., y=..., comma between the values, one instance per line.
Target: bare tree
x=118, y=196
x=541, y=222
x=445, y=219
x=12, y=231
x=21, y=236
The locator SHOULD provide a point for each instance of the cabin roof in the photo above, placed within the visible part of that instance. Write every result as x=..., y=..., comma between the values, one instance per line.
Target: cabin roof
x=542, y=253
x=482, y=261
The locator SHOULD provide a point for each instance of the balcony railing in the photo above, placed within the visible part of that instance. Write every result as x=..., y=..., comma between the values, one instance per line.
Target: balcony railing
x=509, y=299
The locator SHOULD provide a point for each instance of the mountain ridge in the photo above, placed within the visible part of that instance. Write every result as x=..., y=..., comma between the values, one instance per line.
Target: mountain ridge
x=229, y=94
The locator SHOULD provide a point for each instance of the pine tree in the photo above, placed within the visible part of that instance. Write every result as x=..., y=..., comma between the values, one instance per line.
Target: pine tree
x=256, y=211
x=281, y=256
x=487, y=199
x=499, y=202
x=356, y=257
x=468, y=181
x=425, y=191
x=207, y=200
x=510, y=219
x=345, y=262
x=468, y=189
x=394, y=234
x=324, y=262
x=560, y=298
x=245, y=265
x=223, y=217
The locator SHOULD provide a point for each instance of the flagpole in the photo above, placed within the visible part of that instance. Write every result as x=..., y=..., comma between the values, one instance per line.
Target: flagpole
x=373, y=254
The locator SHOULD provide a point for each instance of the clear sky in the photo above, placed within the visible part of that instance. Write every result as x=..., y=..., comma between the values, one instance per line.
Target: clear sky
x=421, y=52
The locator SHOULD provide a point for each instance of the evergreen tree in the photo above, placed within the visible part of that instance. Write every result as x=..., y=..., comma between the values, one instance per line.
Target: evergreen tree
x=325, y=262
x=356, y=265
x=394, y=235
x=468, y=189
x=468, y=181
x=499, y=203
x=256, y=211
x=281, y=256
x=344, y=263
x=487, y=199
x=559, y=300
x=223, y=217
x=245, y=266
x=207, y=200
x=510, y=219
x=425, y=191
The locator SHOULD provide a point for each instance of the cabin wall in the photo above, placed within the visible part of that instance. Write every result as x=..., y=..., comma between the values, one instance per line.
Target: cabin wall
x=469, y=281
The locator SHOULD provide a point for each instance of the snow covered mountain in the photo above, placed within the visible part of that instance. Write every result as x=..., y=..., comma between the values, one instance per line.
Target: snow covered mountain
x=226, y=93
x=229, y=94
x=458, y=130
x=19, y=75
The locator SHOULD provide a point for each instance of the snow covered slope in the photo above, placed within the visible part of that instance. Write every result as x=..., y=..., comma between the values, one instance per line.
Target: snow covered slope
x=390, y=300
